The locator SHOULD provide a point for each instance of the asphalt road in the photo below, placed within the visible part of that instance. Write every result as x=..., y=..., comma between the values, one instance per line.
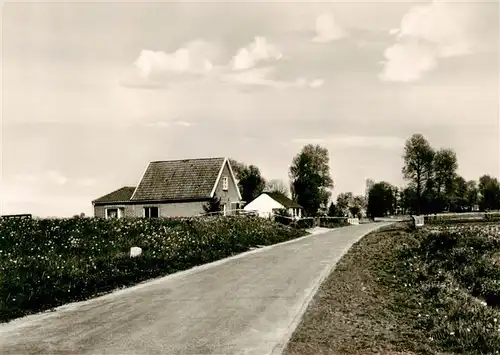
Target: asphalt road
x=246, y=305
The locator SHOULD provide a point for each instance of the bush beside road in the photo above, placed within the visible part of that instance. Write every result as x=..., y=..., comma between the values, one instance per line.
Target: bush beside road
x=45, y=263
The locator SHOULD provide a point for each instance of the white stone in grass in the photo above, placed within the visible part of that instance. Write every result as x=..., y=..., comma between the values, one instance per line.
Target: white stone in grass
x=135, y=251
x=418, y=221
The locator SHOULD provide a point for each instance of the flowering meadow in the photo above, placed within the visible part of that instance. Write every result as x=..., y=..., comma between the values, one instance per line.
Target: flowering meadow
x=45, y=263
x=446, y=281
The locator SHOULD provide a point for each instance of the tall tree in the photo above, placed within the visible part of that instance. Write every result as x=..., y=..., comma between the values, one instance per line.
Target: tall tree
x=381, y=200
x=396, y=206
x=251, y=183
x=408, y=200
x=472, y=194
x=458, y=196
x=237, y=167
x=368, y=186
x=344, y=201
x=332, y=210
x=358, y=204
x=276, y=185
x=445, y=166
x=310, y=179
x=417, y=167
x=489, y=189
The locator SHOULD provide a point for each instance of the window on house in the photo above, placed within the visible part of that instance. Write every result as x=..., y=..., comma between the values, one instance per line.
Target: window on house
x=225, y=183
x=111, y=212
x=151, y=212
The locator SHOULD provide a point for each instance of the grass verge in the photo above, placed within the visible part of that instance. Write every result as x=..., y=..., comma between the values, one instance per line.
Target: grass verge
x=398, y=291
x=49, y=262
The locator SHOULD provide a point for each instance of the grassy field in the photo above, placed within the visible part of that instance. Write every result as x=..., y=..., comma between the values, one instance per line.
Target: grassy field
x=49, y=262
x=397, y=291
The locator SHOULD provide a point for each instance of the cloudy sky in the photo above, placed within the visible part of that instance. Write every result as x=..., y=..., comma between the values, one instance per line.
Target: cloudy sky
x=94, y=91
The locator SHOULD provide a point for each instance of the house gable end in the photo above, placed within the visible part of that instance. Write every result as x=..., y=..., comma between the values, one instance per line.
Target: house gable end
x=265, y=202
x=232, y=179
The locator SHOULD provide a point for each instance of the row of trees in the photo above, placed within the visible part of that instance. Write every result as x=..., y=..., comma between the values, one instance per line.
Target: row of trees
x=310, y=180
x=310, y=184
x=433, y=185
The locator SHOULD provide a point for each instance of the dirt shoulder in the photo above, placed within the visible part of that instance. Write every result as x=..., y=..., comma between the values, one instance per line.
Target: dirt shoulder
x=349, y=312
x=354, y=311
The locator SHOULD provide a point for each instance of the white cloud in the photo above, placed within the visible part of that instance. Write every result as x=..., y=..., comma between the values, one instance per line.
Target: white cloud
x=56, y=177
x=164, y=124
x=52, y=177
x=252, y=65
x=327, y=29
x=353, y=141
x=195, y=57
x=316, y=83
x=183, y=123
x=264, y=77
x=439, y=23
x=367, y=141
x=260, y=50
x=256, y=76
x=301, y=82
x=305, y=83
x=407, y=62
x=430, y=32
x=308, y=140
x=157, y=124
x=86, y=182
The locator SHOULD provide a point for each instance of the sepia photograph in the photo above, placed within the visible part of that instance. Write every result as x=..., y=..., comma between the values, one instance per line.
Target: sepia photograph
x=261, y=177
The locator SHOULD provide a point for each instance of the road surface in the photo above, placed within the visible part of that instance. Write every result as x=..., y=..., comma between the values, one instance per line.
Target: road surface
x=246, y=305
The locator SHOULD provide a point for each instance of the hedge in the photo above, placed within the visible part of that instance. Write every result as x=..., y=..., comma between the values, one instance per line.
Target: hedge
x=45, y=263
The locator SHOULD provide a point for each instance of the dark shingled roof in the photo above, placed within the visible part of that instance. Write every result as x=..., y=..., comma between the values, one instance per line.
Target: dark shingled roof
x=179, y=179
x=285, y=201
x=121, y=195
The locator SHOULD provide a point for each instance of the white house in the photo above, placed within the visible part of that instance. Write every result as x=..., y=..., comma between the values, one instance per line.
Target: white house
x=268, y=203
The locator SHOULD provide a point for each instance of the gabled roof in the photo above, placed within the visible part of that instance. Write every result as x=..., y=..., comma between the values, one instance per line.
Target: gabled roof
x=187, y=179
x=121, y=195
x=283, y=200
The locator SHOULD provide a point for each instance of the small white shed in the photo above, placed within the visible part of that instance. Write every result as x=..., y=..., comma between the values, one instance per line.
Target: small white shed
x=267, y=203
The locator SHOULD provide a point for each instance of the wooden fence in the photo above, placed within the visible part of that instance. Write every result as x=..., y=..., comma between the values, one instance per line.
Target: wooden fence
x=462, y=217
x=20, y=216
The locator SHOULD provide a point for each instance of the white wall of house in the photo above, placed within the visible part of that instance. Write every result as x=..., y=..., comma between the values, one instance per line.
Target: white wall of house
x=179, y=209
x=263, y=205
